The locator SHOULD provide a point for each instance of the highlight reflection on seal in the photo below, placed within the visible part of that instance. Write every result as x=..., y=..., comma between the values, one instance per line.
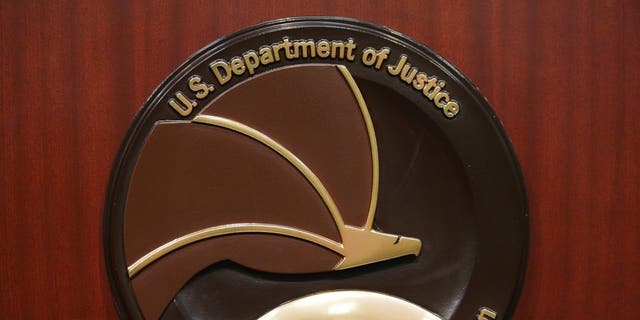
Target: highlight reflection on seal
x=349, y=305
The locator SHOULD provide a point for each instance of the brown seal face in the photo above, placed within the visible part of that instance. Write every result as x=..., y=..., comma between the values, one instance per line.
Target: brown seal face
x=311, y=155
x=222, y=177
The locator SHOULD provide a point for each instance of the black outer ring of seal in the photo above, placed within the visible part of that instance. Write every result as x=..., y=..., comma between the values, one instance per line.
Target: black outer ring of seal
x=112, y=231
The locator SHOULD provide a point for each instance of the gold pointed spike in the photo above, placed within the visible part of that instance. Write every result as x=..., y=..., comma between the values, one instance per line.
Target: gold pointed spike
x=362, y=246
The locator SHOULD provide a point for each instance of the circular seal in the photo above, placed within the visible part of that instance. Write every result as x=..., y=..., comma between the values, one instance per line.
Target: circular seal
x=319, y=166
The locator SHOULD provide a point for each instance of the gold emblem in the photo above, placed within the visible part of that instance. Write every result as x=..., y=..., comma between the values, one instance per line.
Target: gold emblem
x=360, y=245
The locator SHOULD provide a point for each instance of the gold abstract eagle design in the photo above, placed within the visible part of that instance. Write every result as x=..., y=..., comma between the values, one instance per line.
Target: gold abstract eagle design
x=356, y=243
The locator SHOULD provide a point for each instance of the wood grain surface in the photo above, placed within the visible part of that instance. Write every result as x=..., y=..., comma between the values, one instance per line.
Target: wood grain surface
x=563, y=76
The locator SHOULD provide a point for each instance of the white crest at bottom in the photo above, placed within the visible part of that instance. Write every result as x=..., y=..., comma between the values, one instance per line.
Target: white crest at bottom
x=349, y=305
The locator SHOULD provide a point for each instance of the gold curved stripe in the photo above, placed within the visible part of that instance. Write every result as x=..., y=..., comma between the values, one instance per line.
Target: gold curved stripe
x=372, y=143
x=302, y=168
x=284, y=152
x=228, y=229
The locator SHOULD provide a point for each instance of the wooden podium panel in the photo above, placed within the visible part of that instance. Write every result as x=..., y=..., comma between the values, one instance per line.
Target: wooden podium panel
x=562, y=76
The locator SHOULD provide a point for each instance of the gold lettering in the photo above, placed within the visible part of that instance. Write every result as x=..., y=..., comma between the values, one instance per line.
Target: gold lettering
x=308, y=48
x=451, y=109
x=287, y=49
x=406, y=75
x=395, y=70
x=217, y=67
x=323, y=48
x=431, y=87
x=369, y=56
x=266, y=55
x=237, y=66
x=251, y=60
x=382, y=56
x=335, y=45
x=419, y=81
x=350, y=46
x=186, y=107
x=277, y=47
x=486, y=314
x=434, y=84
x=439, y=97
x=200, y=88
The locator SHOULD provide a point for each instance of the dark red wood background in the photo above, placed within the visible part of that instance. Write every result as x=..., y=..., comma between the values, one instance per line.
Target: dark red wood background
x=562, y=75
